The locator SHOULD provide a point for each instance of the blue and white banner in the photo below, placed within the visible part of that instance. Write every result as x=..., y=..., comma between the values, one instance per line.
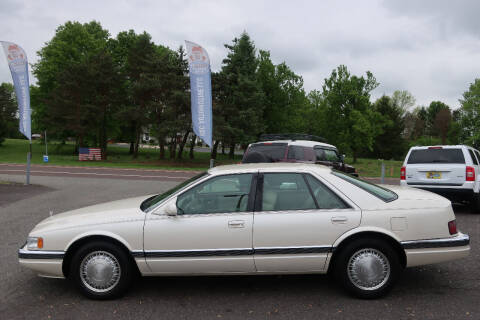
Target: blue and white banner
x=17, y=62
x=201, y=91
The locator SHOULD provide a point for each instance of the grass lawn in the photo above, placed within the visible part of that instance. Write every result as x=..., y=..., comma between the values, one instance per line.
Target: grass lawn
x=15, y=151
x=373, y=167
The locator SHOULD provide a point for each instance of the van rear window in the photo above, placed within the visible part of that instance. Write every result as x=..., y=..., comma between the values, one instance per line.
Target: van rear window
x=274, y=151
x=436, y=156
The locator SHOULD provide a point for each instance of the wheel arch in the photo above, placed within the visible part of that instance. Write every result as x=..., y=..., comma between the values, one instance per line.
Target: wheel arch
x=368, y=234
x=82, y=240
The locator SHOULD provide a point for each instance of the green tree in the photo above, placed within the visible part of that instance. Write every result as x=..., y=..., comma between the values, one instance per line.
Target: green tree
x=75, y=77
x=285, y=99
x=470, y=115
x=8, y=110
x=433, y=109
x=241, y=99
x=389, y=143
x=352, y=122
x=136, y=59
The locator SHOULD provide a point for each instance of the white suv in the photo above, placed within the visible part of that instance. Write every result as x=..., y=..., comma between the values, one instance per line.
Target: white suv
x=451, y=171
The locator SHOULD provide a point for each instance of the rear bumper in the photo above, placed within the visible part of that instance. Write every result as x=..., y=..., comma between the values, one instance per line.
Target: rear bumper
x=431, y=251
x=458, y=193
x=45, y=263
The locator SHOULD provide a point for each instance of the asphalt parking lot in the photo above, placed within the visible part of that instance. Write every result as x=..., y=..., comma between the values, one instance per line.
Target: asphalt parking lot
x=444, y=291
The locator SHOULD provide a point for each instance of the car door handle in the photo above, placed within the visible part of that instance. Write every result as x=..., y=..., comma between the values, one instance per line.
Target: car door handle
x=236, y=224
x=339, y=219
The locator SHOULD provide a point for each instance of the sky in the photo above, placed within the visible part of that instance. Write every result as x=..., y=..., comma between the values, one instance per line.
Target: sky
x=430, y=48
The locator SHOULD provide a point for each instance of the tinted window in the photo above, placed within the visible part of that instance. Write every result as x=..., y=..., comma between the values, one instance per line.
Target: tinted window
x=436, y=156
x=296, y=152
x=326, y=155
x=275, y=151
x=477, y=154
x=153, y=201
x=382, y=193
x=326, y=199
x=472, y=155
x=286, y=191
x=221, y=194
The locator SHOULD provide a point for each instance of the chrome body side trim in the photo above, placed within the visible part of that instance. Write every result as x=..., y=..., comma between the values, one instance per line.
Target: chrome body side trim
x=230, y=252
x=39, y=254
x=458, y=241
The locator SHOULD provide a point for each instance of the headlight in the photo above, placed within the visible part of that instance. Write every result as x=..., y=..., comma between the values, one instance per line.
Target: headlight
x=34, y=243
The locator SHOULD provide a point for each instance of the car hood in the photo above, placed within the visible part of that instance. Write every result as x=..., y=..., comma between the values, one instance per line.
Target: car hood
x=108, y=212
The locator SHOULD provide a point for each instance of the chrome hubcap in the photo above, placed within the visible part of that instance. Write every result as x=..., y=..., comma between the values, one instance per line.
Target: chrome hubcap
x=368, y=269
x=100, y=271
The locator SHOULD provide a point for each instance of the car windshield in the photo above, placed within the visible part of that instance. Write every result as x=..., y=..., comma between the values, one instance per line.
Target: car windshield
x=151, y=202
x=382, y=193
x=436, y=155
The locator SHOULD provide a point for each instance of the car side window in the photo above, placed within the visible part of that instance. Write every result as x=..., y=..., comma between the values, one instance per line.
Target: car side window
x=477, y=154
x=296, y=152
x=286, y=191
x=326, y=198
x=472, y=155
x=326, y=155
x=221, y=194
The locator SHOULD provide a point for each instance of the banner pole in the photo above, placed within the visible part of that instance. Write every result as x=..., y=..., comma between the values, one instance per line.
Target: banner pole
x=29, y=157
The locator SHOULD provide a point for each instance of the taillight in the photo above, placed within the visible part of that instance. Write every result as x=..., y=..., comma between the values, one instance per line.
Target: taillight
x=452, y=227
x=470, y=174
x=402, y=173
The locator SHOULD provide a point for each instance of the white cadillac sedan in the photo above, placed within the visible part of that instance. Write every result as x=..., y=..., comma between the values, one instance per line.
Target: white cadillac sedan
x=276, y=218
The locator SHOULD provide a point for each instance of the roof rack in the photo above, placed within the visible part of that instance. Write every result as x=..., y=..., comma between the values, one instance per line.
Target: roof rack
x=291, y=136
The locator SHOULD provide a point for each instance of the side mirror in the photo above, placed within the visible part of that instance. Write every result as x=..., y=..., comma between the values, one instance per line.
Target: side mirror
x=171, y=208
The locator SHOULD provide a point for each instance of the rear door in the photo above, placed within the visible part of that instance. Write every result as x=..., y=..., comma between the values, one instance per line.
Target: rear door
x=297, y=219
x=440, y=166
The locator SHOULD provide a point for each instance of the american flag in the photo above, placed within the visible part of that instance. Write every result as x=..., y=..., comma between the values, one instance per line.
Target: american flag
x=89, y=154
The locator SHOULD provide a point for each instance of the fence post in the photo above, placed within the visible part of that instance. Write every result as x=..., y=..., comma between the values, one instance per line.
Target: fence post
x=382, y=177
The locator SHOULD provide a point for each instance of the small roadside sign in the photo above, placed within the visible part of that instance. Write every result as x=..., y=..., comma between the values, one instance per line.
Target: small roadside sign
x=45, y=158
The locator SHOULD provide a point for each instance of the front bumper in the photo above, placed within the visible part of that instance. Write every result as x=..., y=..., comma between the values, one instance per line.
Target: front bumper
x=422, y=252
x=45, y=263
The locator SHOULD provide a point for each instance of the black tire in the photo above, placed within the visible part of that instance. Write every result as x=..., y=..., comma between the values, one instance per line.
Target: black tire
x=362, y=250
x=475, y=203
x=92, y=257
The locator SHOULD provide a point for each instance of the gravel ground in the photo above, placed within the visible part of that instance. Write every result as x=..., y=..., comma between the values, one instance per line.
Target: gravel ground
x=444, y=291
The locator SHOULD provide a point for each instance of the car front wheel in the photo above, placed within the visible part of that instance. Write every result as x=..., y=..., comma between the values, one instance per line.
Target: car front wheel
x=368, y=268
x=101, y=270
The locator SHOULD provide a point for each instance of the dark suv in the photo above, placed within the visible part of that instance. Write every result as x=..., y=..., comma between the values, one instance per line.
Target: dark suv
x=296, y=148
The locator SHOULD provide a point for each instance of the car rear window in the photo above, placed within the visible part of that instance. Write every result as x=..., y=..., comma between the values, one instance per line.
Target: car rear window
x=379, y=192
x=436, y=156
x=275, y=151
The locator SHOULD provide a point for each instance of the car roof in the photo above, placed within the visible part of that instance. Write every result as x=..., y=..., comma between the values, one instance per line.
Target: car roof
x=442, y=146
x=271, y=166
x=303, y=143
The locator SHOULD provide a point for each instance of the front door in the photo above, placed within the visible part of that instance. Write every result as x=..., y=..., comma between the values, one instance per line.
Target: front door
x=211, y=233
x=298, y=220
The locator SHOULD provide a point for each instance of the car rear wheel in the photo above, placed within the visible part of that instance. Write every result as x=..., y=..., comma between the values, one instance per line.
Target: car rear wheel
x=101, y=270
x=368, y=268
